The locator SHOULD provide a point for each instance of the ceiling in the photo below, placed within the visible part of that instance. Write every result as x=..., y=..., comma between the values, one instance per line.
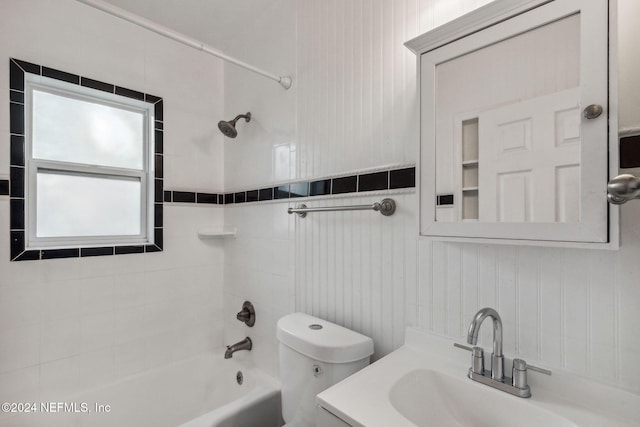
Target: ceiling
x=218, y=23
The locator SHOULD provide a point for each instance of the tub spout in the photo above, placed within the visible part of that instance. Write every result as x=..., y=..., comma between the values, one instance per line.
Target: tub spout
x=245, y=344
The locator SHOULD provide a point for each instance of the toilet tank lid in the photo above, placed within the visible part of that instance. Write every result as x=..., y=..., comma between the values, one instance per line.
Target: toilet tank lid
x=323, y=340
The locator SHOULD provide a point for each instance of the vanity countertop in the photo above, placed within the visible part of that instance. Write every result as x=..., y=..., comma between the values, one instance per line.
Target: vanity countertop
x=370, y=397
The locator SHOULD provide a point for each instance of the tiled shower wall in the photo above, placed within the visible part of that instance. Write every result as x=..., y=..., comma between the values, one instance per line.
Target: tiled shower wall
x=259, y=261
x=72, y=324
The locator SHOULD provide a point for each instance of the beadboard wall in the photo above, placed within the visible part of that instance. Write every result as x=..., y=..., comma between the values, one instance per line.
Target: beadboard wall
x=566, y=309
x=357, y=268
x=357, y=91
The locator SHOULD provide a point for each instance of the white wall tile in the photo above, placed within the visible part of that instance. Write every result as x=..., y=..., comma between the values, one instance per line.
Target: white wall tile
x=20, y=304
x=20, y=349
x=91, y=320
x=59, y=379
x=21, y=385
x=59, y=339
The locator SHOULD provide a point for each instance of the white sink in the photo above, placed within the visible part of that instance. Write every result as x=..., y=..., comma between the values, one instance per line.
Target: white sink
x=430, y=398
x=424, y=383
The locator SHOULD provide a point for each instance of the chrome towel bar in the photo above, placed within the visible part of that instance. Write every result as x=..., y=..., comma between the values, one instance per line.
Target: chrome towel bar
x=386, y=207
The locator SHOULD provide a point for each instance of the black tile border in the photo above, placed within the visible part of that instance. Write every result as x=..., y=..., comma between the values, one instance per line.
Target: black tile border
x=390, y=179
x=14, y=187
x=4, y=187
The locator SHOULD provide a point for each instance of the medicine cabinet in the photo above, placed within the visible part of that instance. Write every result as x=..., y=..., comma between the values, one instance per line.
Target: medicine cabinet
x=518, y=132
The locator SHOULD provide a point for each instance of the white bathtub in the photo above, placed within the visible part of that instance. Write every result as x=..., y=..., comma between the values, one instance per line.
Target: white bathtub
x=198, y=392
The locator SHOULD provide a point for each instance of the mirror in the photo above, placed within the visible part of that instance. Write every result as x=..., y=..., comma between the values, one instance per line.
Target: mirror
x=506, y=149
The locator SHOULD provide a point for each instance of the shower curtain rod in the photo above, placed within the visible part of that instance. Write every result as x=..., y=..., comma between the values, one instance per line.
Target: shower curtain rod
x=285, y=81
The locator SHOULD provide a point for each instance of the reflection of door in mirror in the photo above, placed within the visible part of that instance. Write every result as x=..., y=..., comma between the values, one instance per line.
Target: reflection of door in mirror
x=520, y=94
x=530, y=156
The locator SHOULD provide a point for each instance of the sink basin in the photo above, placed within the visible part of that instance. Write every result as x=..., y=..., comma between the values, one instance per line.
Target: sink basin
x=424, y=383
x=430, y=398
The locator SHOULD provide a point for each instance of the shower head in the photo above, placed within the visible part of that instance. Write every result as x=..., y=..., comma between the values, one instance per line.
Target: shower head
x=229, y=128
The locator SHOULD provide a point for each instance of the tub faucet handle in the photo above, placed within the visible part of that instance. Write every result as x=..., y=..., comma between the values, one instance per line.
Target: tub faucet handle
x=247, y=314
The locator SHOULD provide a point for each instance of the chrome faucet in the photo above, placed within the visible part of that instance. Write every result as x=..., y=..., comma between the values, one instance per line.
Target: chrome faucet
x=245, y=344
x=517, y=385
x=497, y=360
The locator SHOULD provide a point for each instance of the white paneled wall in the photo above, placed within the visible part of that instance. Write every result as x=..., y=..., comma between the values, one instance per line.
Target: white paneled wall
x=357, y=92
x=357, y=268
x=565, y=308
x=72, y=324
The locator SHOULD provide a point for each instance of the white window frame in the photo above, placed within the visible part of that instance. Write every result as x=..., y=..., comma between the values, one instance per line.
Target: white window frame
x=32, y=165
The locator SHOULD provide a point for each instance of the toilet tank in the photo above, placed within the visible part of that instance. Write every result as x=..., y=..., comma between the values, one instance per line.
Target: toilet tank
x=314, y=355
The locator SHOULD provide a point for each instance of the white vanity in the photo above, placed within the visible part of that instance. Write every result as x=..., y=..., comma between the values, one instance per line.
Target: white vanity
x=424, y=383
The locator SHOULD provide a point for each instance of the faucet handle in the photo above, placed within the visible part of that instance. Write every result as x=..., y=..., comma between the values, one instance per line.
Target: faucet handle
x=464, y=347
x=247, y=314
x=541, y=370
x=477, y=360
x=519, y=373
x=477, y=357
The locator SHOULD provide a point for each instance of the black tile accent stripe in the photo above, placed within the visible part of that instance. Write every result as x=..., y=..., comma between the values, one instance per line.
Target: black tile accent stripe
x=16, y=96
x=61, y=75
x=129, y=93
x=159, y=143
x=14, y=187
x=16, y=76
x=209, y=198
x=16, y=118
x=152, y=98
x=98, y=85
x=252, y=196
x=16, y=184
x=184, y=196
x=28, y=66
x=17, y=150
x=59, y=253
x=630, y=151
x=265, y=194
x=158, y=190
x=444, y=199
x=347, y=184
x=86, y=252
x=373, y=181
x=158, y=164
x=402, y=178
x=240, y=197
x=123, y=250
x=383, y=180
x=16, y=207
x=320, y=188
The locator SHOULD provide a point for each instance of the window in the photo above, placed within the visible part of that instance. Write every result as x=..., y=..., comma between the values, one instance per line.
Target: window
x=92, y=166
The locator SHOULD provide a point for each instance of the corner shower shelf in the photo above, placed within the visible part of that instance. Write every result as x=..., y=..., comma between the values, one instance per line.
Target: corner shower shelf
x=215, y=233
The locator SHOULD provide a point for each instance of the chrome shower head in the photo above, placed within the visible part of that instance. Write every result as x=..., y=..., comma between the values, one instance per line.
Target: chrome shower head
x=229, y=128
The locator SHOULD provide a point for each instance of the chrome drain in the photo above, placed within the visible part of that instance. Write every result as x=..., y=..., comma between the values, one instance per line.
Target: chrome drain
x=239, y=377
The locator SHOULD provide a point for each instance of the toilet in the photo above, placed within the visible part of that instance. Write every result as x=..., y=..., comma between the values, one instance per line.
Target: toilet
x=314, y=355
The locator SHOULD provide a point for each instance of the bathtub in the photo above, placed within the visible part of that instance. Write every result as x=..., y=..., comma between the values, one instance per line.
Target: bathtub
x=198, y=392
